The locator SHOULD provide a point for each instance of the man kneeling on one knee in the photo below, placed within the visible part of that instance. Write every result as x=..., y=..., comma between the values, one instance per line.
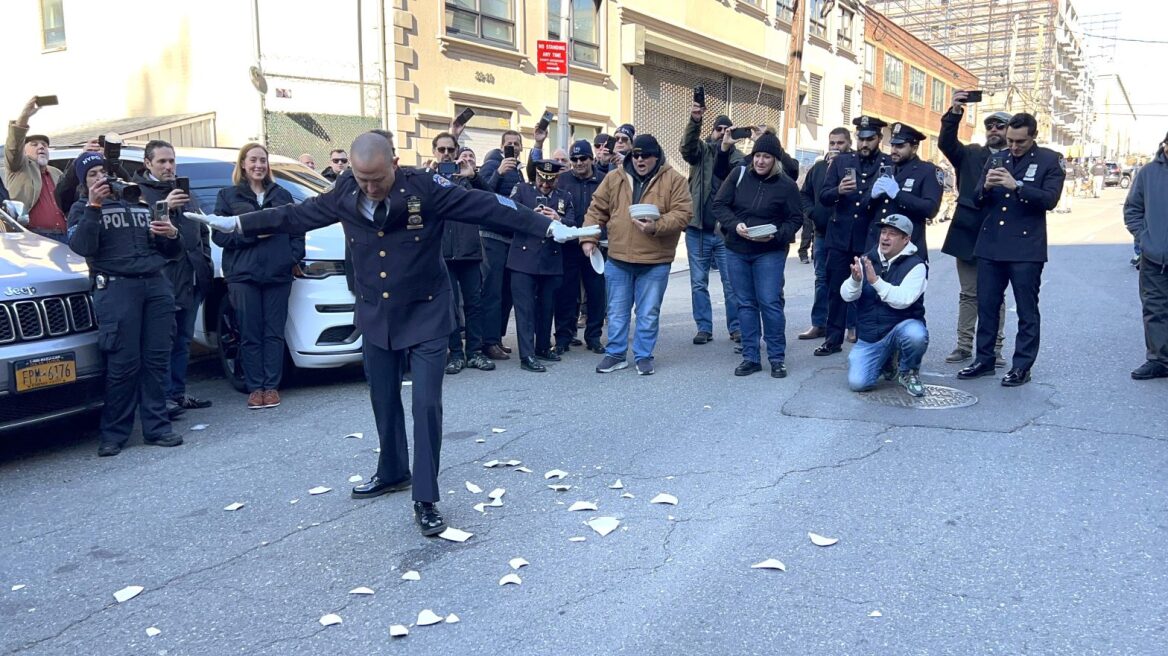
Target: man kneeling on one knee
x=888, y=284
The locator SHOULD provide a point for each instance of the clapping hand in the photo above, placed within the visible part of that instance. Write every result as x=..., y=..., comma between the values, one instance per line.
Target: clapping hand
x=857, y=268
x=869, y=270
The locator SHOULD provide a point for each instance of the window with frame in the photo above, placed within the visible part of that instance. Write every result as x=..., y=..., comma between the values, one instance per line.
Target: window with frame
x=52, y=24
x=916, y=86
x=939, y=93
x=785, y=10
x=847, y=106
x=869, y=64
x=893, y=75
x=818, y=20
x=487, y=20
x=585, y=29
x=843, y=36
x=814, y=98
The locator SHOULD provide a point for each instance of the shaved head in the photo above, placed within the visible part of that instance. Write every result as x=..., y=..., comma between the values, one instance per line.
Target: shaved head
x=369, y=147
x=373, y=164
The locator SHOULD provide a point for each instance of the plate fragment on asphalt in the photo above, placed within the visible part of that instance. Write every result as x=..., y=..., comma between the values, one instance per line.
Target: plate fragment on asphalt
x=510, y=579
x=472, y=488
x=513, y=463
x=411, y=575
x=330, y=619
x=560, y=488
x=706, y=407
x=498, y=430
x=577, y=539
x=233, y=506
x=427, y=617
x=603, y=525
x=555, y=473
x=127, y=593
x=875, y=613
x=18, y=586
x=398, y=631
x=628, y=495
x=355, y=436
x=582, y=505
x=355, y=478
x=618, y=485
x=821, y=541
x=491, y=463
x=497, y=493
x=320, y=489
x=152, y=631
x=361, y=591
x=525, y=470
x=199, y=427
x=294, y=501
x=455, y=535
x=496, y=503
x=665, y=498
x=452, y=619
x=770, y=563
x=481, y=507
x=516, y=563
x=480, y=441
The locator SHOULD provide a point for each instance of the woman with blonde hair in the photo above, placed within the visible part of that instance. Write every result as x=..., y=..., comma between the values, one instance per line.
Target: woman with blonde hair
x=259, y=272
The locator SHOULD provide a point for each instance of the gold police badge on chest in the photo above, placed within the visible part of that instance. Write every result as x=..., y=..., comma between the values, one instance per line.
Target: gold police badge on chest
x=414, y=207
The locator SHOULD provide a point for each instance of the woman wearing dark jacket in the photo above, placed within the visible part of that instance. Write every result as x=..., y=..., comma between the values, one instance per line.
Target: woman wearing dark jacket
x=258, y=271
x=757, y=194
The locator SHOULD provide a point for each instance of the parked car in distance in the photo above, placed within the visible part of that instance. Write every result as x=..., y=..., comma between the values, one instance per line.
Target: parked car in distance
x=320, y=332
x=50, y=366
x=1117, y=176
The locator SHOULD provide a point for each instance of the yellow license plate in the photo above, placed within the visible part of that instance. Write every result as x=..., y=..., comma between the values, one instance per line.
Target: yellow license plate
x=47, y=371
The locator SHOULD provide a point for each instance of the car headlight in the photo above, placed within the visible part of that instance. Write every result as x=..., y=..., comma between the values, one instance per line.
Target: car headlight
x=317, y=269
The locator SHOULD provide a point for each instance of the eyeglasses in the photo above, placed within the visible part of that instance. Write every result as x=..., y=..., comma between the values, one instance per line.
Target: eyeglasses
x=341, y=160
x=446, y=149
x=580, y=159
x=641, y=155
x=622, y=139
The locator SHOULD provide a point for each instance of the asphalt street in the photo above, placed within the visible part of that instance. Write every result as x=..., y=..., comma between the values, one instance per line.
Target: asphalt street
x=1034, y=521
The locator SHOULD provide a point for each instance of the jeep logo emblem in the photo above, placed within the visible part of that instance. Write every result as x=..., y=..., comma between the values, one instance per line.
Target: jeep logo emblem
x=20, y=291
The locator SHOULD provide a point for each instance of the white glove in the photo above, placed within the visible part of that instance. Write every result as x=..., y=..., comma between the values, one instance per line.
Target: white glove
x=891, y=186
x=563, y=233
x=216, y=222
x=878, y=188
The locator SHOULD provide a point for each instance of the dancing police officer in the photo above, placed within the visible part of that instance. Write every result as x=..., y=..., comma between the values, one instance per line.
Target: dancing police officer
x=393, y=220
x=537, y=266
x=913, y=190
x=127, y=248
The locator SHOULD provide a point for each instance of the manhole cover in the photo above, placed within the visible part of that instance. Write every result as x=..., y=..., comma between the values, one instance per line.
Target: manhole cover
x=936, y=397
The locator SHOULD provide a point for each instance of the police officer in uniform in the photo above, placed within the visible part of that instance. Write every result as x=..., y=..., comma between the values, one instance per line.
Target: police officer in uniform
x=394, y=220
x=537, y=266
x=1018, y=188
x=580, y=183
x=914, y=190
x=126, y=248
x=847, y=188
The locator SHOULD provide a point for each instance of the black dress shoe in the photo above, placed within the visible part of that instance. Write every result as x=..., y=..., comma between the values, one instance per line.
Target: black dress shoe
x=428, y=518
x=189, y=402
x=976, y=370
x=562, y=349
x=746, y=368
x=577, y=342
x=828, y=349
x=1016, y=377
x=106, y=450
x=702, y=337
x=549, y=355
x=377, y=487
x=778, y=370
x=1149, y=370
x=165, y=440
x=174, y=410
x=596, y=348
x=531, y=364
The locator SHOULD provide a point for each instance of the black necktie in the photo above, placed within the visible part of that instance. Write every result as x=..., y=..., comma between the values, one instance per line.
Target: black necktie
x=380, y=214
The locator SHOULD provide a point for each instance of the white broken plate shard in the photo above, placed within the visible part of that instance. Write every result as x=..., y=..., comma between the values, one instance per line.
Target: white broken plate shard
x=560, y=488
x=577, y=539
x=516, y=563
x=411, y=575
x=496, y=503
x=665, y=498
x=152, y=631
x=603, y=525
x=513, y=463
x=706, y=407
x=510, y=579
x=618, y=485
x=294, y=501
x=480, y=441
x=525, y=470
x=398, y=631
x=821, y=541
x=472, y=488
x=361, y=591
x=127, y=593
x=18, y=586
x=770, y=563
x=452, y=619
x=320, y=489
x=497, y=493
x=199, y=427
x=875, y=613
x=234, y=506
x=427, y=617
x=355, y=435
x=628, y=495
x=355, y=478
x=491, y=463
x=498, y=430
x=582, y=505
x=455, y=535
x=481, y=507
x=330, y=619
x=555, y=473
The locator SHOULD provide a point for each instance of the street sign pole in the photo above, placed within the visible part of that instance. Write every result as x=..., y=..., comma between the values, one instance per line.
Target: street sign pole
x=566, y=35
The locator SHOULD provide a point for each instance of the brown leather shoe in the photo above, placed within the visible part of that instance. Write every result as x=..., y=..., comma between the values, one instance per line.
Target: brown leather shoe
x=271, y=399
x=495, y=352
x=255, y=400
x=851, y=337
x=814, y=332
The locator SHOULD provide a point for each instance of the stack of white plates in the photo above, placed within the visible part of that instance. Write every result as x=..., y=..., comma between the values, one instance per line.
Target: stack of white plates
x=644, y=211
x=761, y=230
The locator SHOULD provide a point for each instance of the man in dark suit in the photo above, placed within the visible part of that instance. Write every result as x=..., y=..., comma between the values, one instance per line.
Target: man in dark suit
x=913, y=189
x=393, y=220
x=1018, y=188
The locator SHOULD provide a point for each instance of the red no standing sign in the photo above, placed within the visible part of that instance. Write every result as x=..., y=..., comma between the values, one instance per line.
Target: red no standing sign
x=552, y=57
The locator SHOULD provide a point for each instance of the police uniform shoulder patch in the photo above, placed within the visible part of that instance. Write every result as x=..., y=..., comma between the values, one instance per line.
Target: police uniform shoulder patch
x=442, y=182
x=505, y=202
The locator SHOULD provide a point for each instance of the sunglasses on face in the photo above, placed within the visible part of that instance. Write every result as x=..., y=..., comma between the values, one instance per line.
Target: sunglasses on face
x=995, y=126
x=641, y=155
x=580, y=159
x=622, y=139
x=446, y=149
x=340, y=160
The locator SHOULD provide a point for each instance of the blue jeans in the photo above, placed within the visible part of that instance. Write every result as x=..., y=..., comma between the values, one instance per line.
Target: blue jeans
x=819, y=305
x=703, y=249
x=642, y=285
x=758, y=279
x=909, y=337
x=180, y=350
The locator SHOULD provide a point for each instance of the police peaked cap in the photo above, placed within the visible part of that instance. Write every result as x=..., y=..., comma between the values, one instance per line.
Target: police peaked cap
x=548, y=168
x=868, y=126
x=902, y=133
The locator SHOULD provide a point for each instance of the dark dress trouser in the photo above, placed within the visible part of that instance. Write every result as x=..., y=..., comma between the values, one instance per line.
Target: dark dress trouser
x=262, y=313
x=992, y=278
x=534, y=305
x=496, y=291
x=1154, y=302
x=135, y=318
x=839, y=269
x=466, y=278
x=384, y=369
x=567, y=302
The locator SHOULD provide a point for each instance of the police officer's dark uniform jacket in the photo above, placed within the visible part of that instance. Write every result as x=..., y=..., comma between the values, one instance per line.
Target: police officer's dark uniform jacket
x=461, y=241
x=191, y=274
x=819, y=213
x=921, y=186
x=968, y=162
x=1014, y=229
x=534, y=255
